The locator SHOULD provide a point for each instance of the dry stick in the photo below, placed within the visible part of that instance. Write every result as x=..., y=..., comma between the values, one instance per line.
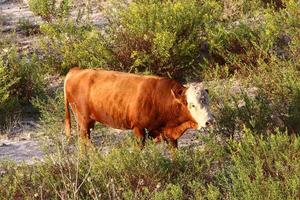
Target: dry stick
x=62, y=174
x=61, y=197
x=76, y=179
x=85, y=177
x=94, y=191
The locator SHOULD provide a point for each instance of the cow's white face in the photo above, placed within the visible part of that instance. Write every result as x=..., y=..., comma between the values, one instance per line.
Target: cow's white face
x=198, y=105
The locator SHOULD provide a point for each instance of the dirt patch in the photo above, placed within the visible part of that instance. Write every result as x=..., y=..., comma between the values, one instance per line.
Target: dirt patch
x=19, y=142
x=25, y=146
x=25, y=150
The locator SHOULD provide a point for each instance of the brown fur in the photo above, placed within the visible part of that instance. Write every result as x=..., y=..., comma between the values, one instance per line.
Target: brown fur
x=127, y=101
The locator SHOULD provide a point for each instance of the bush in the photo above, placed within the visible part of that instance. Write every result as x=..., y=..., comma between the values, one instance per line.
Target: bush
x=6, y=98
x=52, y=116
x=49, y=10
x=161, y=37
x=69, y=44
x=26, y=27
x=238, y=43
x=264, y=167
x=262, y=102
x=69, y=41
x=22, y=80
x=174, y=38
x=24, y=67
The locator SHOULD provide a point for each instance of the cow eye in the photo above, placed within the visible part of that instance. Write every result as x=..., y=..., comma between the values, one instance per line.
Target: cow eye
x=193, y=106
x=203, y=101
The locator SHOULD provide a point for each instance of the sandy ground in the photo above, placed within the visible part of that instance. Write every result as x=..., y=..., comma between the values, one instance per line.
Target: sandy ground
x=26, y=147
x=27, y=150
x=15, y=11
x=19, y=142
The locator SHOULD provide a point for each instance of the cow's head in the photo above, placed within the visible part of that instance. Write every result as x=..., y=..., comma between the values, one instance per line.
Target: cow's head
x=198, y=104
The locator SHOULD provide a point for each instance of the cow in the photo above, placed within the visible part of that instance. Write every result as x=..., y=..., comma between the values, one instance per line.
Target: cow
x=159, y=105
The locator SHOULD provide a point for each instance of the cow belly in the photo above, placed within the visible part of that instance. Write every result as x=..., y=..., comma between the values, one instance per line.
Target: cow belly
x=113, y=108
x=111, y=119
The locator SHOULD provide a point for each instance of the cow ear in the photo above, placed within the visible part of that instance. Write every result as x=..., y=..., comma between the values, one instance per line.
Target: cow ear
x=173, y=93
x=179, y=92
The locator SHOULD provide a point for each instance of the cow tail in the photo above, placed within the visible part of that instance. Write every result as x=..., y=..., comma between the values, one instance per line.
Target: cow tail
x=67, y=112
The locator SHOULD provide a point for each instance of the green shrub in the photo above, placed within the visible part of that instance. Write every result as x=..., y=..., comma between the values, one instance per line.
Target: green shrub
x=179, y=37
x=23, y=79
x=26, y=27
x=125, y=172
x=6, y=99
x=45, y=8
x=293, y=118
x=49, y=10
x=26, y=68
x=173, y=38
x=264, y=167
x=161, y=37
x=238, y=43
x=52, y=116
x=69, y=44
x=263, y=101
x=253, y=113
x=5, y=84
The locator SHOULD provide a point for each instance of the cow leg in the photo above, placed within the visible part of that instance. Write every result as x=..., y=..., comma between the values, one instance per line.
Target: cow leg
x=91, y=126
x=76, y=113
x=173, y=133
x=173, y=143
x=85, y=137
x=140, y=136
x=84, y=131
x=155, y=136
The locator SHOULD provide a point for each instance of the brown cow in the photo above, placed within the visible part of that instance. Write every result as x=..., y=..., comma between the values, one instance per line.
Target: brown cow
x=128, y=101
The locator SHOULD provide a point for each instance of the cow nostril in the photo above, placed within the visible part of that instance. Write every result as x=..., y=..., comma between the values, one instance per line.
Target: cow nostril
x=209, y=122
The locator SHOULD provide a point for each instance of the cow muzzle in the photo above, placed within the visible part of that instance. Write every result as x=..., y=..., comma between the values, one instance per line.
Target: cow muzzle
x=210, y=123
x=207, y=124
